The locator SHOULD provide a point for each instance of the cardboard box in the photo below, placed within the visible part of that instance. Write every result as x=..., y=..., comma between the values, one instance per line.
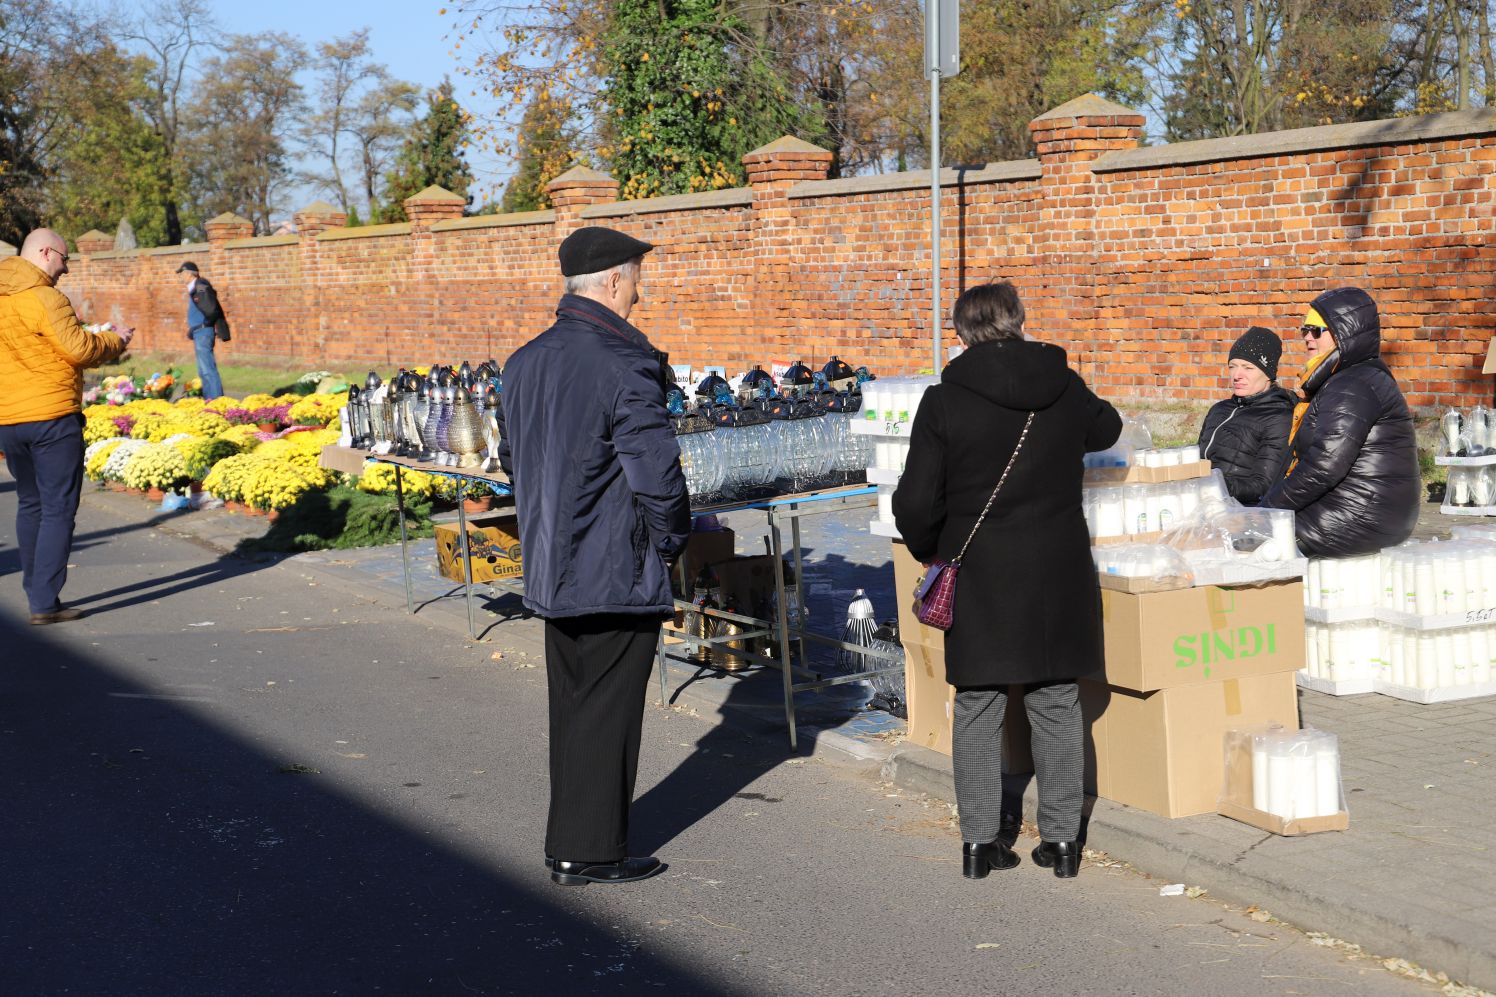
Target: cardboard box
x=493, y=547
x=702, y=549
x=1161, y=751
x=1101, y=477
x=930, y=699
x=1161, y=640
x=749, y=581
x=345, y=459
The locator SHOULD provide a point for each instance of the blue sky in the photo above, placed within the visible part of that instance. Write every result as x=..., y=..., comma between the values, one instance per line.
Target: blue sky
x=407, y=37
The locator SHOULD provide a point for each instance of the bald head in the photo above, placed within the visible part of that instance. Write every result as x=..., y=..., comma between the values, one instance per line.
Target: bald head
x=47, y=251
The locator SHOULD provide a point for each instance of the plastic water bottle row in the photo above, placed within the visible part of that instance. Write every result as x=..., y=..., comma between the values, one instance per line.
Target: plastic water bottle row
x=1296, y=774
x=1397, y=656
x=891, y=402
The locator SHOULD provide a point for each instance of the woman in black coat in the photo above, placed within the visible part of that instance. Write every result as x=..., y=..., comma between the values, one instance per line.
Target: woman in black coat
x=1352, y=477
x=1027, y=609
x=1245, y=436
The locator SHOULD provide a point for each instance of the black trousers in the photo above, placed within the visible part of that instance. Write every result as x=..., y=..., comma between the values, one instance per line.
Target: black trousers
x=597, y=670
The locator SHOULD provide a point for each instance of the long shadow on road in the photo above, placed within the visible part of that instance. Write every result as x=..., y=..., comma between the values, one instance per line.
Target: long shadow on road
x=146, y=848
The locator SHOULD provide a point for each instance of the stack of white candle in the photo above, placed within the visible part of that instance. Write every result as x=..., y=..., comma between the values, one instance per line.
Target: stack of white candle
x=1296, y=774
x=1345, y=583
x=1439, y=578
x=1166, y=456
x=890, y=403
x=1345, y=652
x=1129, y=510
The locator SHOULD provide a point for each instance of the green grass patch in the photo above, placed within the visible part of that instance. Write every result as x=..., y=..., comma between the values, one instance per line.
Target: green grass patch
x=239, y=379
x=340, y=518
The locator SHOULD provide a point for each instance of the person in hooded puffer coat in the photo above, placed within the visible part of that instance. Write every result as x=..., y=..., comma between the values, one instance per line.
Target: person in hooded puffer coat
x=1027, y=607
x=1352, y=478
x=1245, y=437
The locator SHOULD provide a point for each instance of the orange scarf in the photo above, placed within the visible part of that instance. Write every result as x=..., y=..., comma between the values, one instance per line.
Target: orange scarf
x=1302, y=407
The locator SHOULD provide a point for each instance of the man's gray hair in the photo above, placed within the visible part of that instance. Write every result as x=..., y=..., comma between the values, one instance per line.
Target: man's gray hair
x=582, y=282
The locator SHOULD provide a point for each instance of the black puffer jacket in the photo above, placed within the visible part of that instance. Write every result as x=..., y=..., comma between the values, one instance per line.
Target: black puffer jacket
x=1355, y=486
x=1246, y=439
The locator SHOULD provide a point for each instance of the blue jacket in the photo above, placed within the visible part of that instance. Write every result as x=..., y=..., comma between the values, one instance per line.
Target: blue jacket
x=598, y=488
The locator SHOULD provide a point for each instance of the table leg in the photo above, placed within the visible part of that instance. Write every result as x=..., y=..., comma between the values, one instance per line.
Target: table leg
x=404, y=540
x=781, y=622
x=467, y=562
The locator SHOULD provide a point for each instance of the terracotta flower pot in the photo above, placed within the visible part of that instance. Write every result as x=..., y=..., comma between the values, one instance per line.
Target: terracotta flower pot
x=233, y=506
x=155, y=494
x=272, y=514
x=196, y=487
x=473, y=506
x=133, y=491
x=115, y=486
x=269, y=427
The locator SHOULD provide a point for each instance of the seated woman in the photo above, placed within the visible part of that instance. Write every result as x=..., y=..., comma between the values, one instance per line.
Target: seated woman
x=1245, y=436
x=1027, y=609
x=1352, y=478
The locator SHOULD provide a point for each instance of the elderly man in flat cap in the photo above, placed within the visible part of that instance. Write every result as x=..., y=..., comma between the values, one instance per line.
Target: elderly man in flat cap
x=603, y=512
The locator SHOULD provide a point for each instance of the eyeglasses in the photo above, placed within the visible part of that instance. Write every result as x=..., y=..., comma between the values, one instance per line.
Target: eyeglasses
x=63, y=256
x=1313, y=330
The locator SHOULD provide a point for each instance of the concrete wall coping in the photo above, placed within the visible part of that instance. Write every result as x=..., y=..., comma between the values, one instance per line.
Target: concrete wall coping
x=732, y=197
x=545, y=217
x=254, y=242
x=1015, y=170
x=190, y=247
x=1391, y=131
x=363, y=231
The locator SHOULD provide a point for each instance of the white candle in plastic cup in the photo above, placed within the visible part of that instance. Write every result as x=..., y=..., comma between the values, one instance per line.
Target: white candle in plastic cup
x=1170, y=457
x=1326, y=776
x=1279, y=780
x=1425, y=593
x=1259, y=772
x=1461, y=643
x=885, y=506
x=1313, y=579
x=1480, y=656
x=1304, y=789
x=1191, y=454
x=1134, y=510
x=1444, y=653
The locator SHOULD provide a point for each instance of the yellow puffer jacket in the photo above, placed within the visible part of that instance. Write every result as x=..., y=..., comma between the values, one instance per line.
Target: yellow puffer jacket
x=43, y=349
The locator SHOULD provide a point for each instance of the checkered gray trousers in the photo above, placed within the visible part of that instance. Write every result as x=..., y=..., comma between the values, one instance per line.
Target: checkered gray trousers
x=1059, y=759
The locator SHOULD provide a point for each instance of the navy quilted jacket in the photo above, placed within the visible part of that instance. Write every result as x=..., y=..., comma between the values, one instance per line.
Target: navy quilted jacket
x=588, y=446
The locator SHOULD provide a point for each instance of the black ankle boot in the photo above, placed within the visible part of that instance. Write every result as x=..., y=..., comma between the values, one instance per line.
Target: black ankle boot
x=1062, y=856
x=979, y=859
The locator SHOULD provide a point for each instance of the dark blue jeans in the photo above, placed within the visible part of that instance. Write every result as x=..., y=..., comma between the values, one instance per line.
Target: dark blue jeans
x=203, y=340
x=46, y=459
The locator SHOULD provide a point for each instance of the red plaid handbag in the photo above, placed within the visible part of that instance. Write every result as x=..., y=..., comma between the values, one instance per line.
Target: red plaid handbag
x=935, y=595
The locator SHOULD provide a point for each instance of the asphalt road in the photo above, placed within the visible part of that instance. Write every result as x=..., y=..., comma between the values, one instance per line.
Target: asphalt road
x=238, y=778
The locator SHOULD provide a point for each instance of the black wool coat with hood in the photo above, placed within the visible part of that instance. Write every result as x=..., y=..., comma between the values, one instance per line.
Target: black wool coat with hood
x=1028, y=608
x=1353, y=476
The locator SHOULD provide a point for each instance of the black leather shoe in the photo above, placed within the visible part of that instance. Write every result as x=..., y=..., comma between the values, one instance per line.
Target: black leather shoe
x=623, y=871
x=1061, y=856
x=978, y=859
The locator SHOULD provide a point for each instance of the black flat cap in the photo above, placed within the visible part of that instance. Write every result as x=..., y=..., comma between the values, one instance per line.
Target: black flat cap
x=187, y=266
x=594, y=249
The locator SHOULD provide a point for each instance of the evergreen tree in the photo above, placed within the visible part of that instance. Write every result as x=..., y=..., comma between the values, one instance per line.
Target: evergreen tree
x=432, y=154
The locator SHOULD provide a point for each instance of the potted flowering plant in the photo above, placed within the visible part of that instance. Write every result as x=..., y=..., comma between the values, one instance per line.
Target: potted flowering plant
x=160, y=384
x=239, y=416
x=156, y=469
x=270, y=418
x=193, y=388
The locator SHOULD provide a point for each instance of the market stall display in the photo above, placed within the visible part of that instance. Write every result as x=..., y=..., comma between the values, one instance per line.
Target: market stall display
x=1467, y=446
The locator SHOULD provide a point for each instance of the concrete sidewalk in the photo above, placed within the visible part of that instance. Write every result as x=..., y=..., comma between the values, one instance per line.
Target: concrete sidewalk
x=1412, y=878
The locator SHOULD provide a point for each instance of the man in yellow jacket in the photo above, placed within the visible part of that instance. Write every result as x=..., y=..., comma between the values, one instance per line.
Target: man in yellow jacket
x=43, y=351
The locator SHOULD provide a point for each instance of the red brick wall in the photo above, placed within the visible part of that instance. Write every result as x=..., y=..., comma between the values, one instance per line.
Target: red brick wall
x=1144, y=262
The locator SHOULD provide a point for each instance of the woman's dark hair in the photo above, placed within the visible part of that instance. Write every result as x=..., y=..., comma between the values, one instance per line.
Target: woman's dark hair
x=989, y=313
